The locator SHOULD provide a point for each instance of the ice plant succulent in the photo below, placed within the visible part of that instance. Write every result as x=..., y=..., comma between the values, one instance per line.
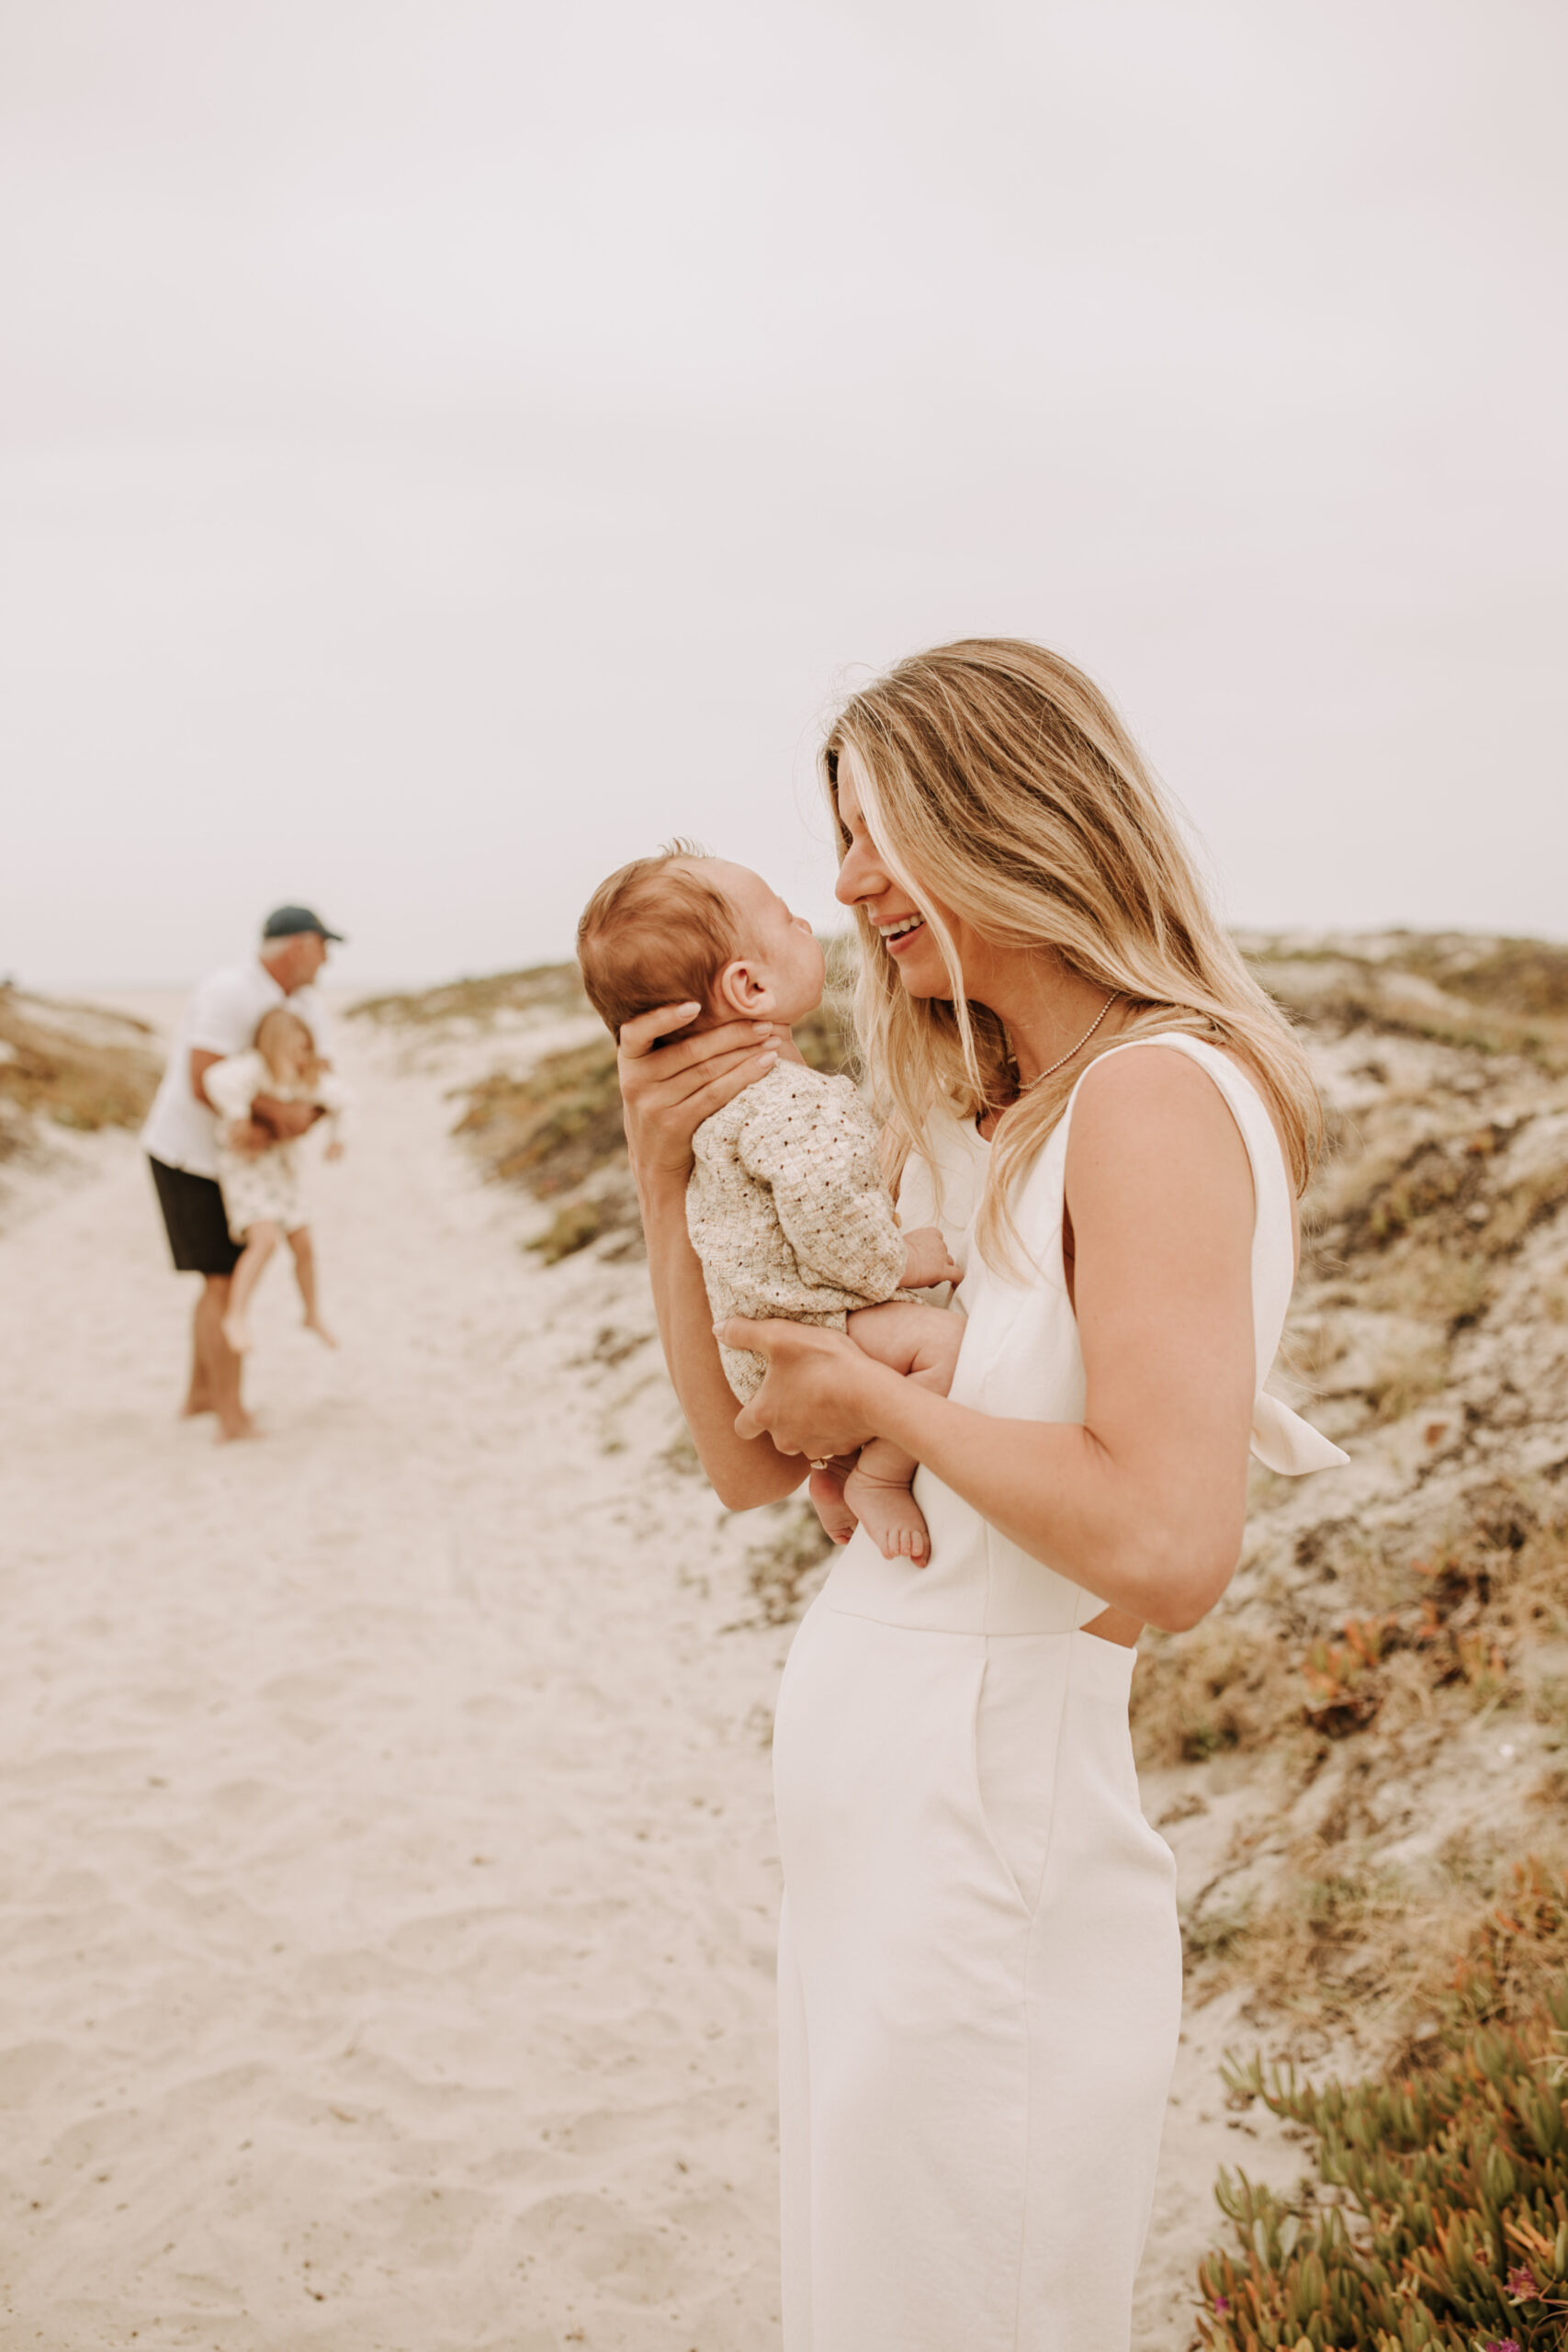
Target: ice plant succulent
x=1446, y=2215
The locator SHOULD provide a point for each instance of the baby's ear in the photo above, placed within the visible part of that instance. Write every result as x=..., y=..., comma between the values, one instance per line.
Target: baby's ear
x=740, y=989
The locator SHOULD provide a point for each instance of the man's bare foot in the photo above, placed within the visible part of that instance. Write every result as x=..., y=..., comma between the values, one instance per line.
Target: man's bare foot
x=198, y=1401
x=232, y=1427
x=826, y=1492
x=890, y=1515
x=237, y=1331
x=314, y=1323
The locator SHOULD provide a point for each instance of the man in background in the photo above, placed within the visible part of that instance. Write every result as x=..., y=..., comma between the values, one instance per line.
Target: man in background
x=221, y=1019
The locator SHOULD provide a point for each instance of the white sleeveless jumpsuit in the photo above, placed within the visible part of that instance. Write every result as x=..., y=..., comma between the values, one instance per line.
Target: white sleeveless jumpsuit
x=980, y=1974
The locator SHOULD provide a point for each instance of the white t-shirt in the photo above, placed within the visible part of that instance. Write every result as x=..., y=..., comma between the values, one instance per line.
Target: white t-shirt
x=221, y=1017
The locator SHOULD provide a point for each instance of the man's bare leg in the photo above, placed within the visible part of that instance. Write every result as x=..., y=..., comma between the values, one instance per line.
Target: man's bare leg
x=200, y=1397
x=261, y=1241
x=218, y=1368
x=305, y=1274
x=922, y=1342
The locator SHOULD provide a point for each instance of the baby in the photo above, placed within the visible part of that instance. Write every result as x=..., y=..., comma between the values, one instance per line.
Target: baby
x=262, y=1194
x=786, y=1205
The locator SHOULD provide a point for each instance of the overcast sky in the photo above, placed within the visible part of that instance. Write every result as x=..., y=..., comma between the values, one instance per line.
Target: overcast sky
x=446, y=446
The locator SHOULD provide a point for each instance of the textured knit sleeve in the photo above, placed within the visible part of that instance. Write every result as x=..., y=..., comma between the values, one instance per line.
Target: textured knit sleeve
x=233, y=1086
x=816, y=1151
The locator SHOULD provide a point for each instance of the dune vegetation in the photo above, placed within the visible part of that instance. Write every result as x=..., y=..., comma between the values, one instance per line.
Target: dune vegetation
x=554, y=1125
x=70, y=1066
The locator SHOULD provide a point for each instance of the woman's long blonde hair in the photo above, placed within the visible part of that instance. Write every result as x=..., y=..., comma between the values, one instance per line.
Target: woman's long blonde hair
x=1002, y=777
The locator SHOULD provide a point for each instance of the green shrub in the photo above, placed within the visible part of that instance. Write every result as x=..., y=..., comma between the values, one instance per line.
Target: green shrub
x=1442, y=2217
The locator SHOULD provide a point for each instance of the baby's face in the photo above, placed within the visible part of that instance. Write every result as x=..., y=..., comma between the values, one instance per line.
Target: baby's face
x=779, y=946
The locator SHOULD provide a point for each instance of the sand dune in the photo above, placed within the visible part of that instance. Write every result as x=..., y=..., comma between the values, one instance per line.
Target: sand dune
x=389, y=1877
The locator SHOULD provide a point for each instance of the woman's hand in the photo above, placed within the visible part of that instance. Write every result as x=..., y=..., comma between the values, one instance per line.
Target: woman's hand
x=816, y=1397
x=667, y=1091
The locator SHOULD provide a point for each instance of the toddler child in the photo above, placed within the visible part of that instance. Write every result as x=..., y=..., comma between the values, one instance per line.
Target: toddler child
x=262, y=1196
x=786, y=1205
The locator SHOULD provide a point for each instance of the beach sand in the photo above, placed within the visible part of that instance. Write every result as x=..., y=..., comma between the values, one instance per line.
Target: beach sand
x=389, y=1878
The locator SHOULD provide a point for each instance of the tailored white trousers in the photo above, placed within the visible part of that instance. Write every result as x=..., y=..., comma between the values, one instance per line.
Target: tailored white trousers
x=979, y=1990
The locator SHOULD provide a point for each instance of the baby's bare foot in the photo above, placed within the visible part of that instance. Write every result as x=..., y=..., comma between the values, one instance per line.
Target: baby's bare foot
x=890, y=1515
x=314, y=1323
x=826, y=1492
x=237, y=1332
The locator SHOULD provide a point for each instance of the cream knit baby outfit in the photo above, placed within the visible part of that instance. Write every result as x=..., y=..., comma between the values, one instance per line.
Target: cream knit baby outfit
x=787, y=1209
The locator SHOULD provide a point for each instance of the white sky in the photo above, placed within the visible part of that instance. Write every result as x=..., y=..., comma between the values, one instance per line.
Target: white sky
x=446, y=446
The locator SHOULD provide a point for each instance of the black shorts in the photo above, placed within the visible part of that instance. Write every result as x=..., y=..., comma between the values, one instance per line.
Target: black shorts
x=197, y=1219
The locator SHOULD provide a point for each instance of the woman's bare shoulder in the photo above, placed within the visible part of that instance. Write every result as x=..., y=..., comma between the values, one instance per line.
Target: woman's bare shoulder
x=1162, y=1112
x=1140, y=1115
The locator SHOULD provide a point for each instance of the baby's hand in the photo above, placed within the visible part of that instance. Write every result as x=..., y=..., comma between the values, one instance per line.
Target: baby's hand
x=926, y=1259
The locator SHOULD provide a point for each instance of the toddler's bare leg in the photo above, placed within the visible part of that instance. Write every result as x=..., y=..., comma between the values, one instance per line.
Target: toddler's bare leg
x=261, y=1241
x=922, y=1342
x=305, y=1275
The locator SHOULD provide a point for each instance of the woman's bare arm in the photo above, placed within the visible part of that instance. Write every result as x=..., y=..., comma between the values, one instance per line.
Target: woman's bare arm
x=667, y=1092
x=1144, y=1504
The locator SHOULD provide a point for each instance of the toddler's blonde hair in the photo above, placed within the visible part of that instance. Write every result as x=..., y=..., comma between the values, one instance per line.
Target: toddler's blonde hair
x=272, y=1029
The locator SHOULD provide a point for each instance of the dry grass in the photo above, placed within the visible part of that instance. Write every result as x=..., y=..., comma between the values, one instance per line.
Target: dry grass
x=1350, y=1945
x=1408, y=1376
x=77, y=1067
x=542, y=987
x=557, y=1129
x=1335, y=1936
x=1437, y=1285
x=1225, y=1686
x=1527, y=977
x=1491, y=1005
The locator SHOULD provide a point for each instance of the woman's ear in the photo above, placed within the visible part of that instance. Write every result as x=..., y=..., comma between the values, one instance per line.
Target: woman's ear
x=740, y=989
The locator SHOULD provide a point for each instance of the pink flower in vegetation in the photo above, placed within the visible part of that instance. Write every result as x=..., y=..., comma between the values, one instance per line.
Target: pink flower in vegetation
x=1521, y=2284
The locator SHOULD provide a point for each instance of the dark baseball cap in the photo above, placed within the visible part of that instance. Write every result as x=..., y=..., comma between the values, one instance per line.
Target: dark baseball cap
x=287, y=923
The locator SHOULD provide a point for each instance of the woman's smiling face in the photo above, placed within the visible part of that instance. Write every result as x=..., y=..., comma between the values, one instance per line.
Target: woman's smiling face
x=866, y=882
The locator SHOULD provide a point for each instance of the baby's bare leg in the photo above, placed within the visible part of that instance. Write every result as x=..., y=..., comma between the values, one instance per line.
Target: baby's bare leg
x=922, y=1342
x=826, y=1492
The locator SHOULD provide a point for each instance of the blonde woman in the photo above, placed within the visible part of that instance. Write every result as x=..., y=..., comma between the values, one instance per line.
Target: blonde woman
x=979, y=1965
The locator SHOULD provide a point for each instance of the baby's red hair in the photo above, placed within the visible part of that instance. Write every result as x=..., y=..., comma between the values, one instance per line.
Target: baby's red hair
x=657, y=932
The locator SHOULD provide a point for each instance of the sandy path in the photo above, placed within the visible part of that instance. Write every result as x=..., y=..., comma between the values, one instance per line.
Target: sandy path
x=389, y=1881
x=387, y=1895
